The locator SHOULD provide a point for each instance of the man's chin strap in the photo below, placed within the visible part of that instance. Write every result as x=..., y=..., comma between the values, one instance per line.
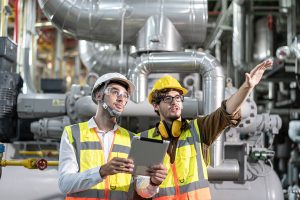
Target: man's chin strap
x=111, y=112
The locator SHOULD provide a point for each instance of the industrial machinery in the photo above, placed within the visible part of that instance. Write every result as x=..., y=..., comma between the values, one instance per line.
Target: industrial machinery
x=207, y=45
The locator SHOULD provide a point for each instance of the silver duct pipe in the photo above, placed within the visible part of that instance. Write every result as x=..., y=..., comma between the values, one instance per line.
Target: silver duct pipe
x=213, y=80
x=27, y=46
x=238, y=49
x=102, y=58
x=101, y=20
x=59, y=51
x=264, y=40
x=85, y=108
x=158, y=34
x=228, y=171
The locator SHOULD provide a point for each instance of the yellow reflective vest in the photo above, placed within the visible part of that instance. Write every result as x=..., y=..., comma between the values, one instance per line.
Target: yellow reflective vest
x=89, y=154
x=187, y=176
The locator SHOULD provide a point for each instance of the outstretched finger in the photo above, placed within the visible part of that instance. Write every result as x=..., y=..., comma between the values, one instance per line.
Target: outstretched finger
x=262, y=66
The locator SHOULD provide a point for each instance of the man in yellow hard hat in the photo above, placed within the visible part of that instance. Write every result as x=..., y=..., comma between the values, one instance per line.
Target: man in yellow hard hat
x=93, y=161
x=186, y=159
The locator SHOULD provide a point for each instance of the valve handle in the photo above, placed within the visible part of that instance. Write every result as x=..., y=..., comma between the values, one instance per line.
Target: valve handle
x=41, y=164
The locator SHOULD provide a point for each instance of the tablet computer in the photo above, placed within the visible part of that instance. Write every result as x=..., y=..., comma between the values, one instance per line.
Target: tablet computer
x=147, y=152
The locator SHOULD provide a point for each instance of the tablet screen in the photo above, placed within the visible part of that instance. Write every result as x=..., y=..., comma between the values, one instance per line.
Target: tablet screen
x=147, y=152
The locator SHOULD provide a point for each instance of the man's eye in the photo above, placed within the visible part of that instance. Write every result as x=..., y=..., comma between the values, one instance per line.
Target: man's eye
x=115, y=92
x=177, y=97
x=168, y=98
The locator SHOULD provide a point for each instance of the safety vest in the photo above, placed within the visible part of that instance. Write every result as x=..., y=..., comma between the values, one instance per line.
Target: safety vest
x=89, y=154
x=187, y=176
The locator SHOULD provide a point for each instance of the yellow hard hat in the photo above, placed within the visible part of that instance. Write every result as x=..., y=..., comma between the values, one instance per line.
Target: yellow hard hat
x=166, y=82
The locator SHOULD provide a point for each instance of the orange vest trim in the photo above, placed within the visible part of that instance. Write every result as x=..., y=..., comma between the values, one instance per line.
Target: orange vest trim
x=200, y=194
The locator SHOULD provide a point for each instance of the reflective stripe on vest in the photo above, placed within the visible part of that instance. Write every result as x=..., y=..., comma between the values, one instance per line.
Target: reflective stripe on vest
x=189, y=178
x=89, y=154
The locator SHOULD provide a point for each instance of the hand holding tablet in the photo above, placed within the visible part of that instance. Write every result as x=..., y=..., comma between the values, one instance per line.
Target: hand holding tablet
x=146, y=153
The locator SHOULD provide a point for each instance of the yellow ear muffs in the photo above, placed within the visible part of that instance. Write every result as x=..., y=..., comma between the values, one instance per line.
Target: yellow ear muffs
x=163, y=129
x=166, y=132
x=176, y=128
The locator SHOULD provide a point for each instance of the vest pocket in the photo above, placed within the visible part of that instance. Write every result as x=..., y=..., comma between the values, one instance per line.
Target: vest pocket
x=186, y=165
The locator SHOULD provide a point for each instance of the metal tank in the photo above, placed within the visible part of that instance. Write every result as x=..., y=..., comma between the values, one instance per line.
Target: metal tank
x=266, y=186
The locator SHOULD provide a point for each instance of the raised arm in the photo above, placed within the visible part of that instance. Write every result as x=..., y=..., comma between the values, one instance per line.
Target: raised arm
x=252, y=79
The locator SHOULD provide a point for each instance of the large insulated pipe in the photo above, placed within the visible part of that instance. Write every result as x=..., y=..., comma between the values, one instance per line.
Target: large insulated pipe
x=101, y=20
x=238, y=47
x=213, y=80
x=102, y=58
x=27, y=48
x=238, y=50
x=85, y=108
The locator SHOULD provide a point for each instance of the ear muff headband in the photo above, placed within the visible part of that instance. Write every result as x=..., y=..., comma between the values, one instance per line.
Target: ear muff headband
x=166, y=132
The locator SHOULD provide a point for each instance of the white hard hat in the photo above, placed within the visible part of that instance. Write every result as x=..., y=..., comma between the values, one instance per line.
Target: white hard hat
x=112, y=77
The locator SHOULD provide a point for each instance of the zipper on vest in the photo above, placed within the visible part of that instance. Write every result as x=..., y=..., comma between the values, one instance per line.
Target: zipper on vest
x=177, y=190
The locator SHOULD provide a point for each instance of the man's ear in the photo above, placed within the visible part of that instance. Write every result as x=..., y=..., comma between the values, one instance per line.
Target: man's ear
x=99, y=96
x=155, y=106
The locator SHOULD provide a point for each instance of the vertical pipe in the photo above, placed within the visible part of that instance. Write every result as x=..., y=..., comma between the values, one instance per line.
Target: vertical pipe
x=238, y=39
x=291, y=22
x=3, y=16
x=27, y=49
x=16, y=23
x=58, y=54
x=271, y=95
x=224, y=6
x=77, y=70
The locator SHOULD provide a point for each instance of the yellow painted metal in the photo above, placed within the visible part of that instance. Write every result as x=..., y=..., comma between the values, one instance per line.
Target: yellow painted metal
x=28, y=163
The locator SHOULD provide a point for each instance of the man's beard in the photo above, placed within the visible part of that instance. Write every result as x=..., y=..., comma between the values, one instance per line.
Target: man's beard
x=173, y=118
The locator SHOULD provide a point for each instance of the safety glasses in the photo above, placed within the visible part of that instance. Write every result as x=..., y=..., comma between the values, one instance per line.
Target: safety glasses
x=116, y=93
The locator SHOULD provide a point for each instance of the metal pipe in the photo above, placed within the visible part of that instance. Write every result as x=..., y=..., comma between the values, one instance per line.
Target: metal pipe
x=213, y=81
x=102, y=58
x=31, y=163
x=158, y=34
x=294, y=130
x=238, y=35
x=49, y=127
x=211, y=41
x=291, y=22
x=27, y=47
x=85, y=108
x=59, y=50
x=264, y=39
x=229, y=170
x=101, y=20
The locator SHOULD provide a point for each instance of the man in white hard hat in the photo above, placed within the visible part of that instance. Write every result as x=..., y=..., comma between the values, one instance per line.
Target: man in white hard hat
x=93, y=161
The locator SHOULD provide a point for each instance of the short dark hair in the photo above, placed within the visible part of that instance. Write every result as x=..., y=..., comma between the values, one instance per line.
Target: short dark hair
x=158, y=95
